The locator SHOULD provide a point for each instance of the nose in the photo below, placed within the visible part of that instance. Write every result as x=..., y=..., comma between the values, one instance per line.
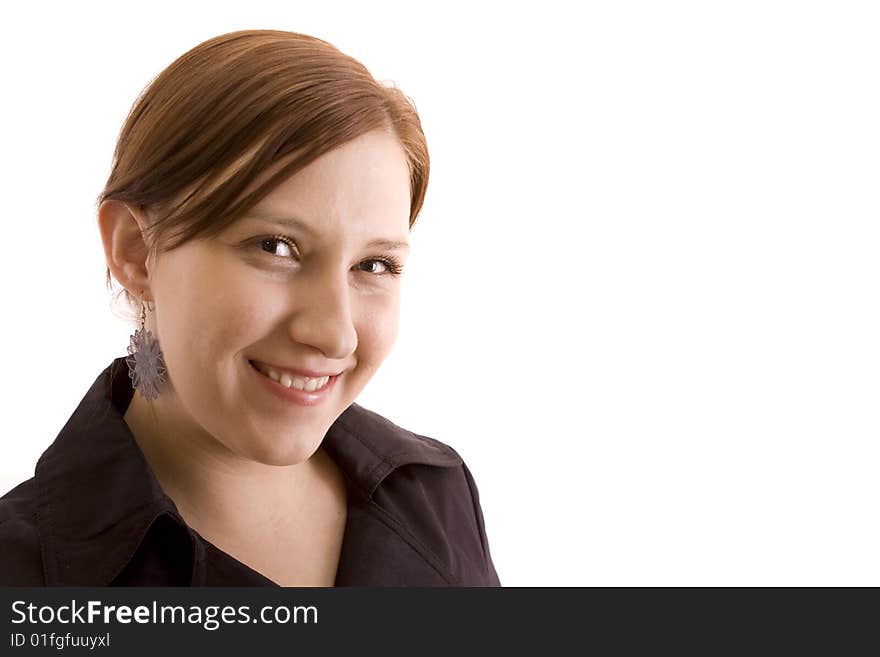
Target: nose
x=323, y=317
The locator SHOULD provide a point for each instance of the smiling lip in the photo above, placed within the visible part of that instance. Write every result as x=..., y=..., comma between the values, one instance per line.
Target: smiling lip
x=301, y=397
x=293, y=370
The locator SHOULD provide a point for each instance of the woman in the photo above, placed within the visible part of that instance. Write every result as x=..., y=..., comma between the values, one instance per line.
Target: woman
x=257, y=216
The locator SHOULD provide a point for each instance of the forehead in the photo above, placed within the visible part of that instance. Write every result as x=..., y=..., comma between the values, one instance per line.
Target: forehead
x=360, y=186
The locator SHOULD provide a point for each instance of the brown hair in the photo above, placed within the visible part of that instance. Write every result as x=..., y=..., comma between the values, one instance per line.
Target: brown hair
x=234, y=108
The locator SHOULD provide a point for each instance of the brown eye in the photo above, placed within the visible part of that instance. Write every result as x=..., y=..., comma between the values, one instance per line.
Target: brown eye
x=270, y=245
x=383, y=264
x=390, y=266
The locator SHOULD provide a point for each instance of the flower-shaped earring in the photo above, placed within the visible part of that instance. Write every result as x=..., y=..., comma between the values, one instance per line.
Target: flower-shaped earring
x=146, y=365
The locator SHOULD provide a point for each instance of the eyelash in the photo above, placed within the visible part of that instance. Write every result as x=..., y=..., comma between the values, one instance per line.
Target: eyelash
x=392, y=265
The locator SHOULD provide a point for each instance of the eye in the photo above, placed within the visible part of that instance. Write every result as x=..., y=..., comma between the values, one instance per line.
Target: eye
x=376, y=261
x=270, y=245
x=390, y=266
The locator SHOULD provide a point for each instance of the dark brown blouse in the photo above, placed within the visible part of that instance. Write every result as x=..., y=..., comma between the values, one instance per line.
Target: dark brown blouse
x=94, y=513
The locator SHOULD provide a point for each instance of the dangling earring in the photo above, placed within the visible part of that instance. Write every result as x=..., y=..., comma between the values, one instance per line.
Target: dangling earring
x=146, y=365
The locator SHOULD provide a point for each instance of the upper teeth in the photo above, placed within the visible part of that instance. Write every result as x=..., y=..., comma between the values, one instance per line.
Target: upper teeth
x=292, y=381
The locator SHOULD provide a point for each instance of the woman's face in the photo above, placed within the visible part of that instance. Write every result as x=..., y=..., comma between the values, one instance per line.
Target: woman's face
x=314, y=297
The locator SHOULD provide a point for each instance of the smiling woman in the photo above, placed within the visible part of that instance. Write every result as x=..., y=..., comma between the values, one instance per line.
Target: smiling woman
x=257, y=217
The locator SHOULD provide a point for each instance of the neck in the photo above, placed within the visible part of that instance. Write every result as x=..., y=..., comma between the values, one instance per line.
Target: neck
x=215, y=489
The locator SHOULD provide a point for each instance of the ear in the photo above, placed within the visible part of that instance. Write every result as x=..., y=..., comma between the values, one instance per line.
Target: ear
x=125, y=247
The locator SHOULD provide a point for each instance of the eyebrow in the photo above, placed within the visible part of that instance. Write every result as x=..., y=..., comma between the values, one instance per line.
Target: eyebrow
x=299, y=224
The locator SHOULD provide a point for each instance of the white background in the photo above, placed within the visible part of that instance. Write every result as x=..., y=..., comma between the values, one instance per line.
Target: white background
x=642, y=302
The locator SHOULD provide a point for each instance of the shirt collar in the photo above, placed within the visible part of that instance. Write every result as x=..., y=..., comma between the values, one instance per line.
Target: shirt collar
x=98, y=495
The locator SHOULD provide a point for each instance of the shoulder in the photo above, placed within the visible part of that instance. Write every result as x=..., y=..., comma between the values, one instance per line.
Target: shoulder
x=22, y=563
x=389, y=445
x=441, y=508
x=430, y=494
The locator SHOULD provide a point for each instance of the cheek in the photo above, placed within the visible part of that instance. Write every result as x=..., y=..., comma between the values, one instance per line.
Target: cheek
x=206, y=320
x=377, y=332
